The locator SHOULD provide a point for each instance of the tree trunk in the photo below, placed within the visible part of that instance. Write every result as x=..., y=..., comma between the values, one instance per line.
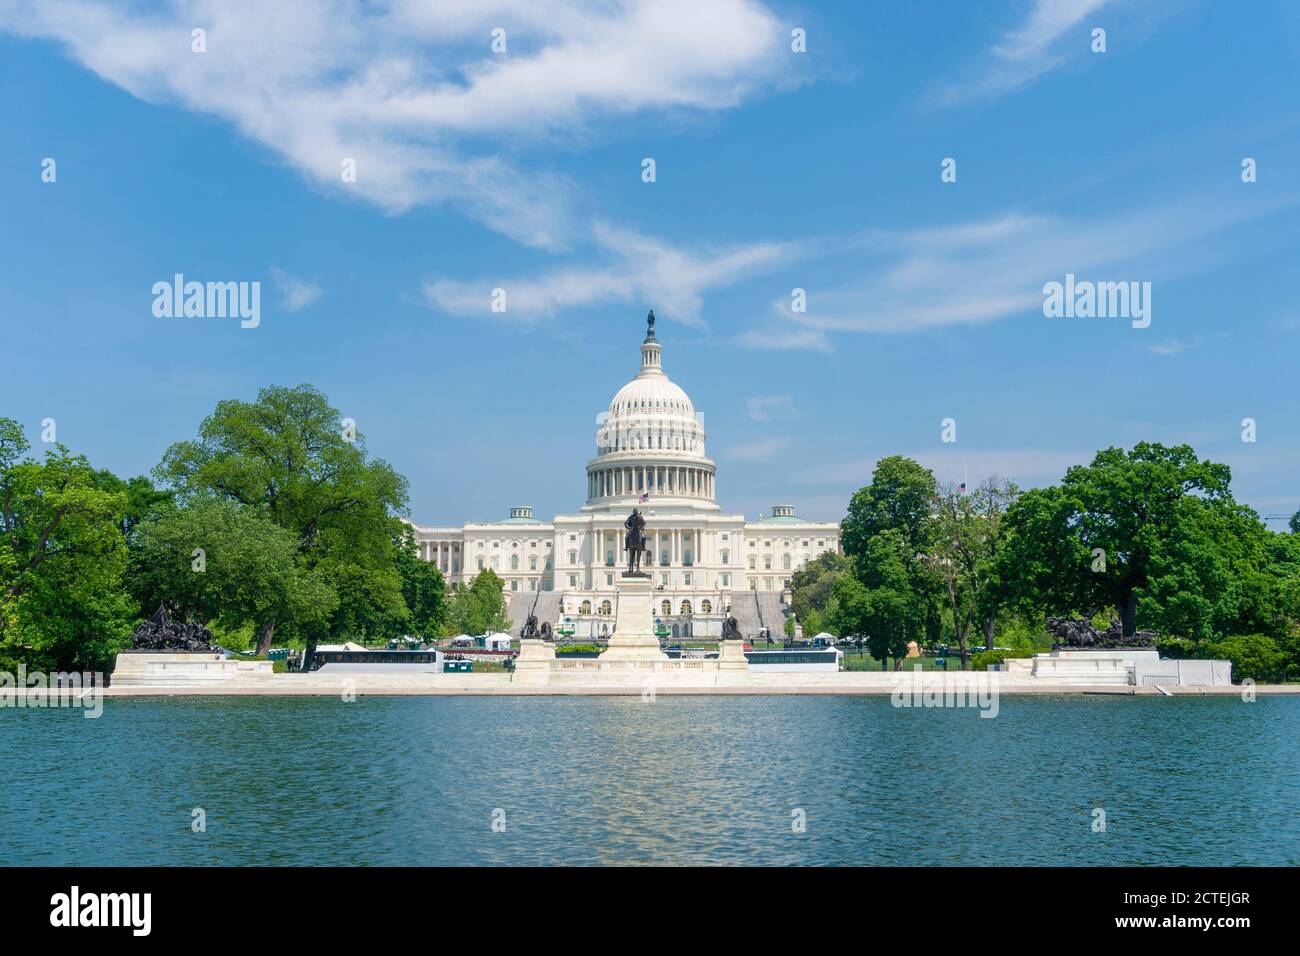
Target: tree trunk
x=990, y=628
x=308, y=653
x=1128, y=613
x=264, y=635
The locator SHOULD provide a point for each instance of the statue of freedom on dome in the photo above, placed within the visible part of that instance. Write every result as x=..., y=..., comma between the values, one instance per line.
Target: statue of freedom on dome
x=634, y=542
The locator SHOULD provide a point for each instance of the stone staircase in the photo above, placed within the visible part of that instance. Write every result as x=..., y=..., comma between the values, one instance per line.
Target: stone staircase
x=754, y=610
x=545, y=604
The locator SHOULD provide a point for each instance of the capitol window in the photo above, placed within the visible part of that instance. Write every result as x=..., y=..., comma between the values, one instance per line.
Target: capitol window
x=726, y=580
x=686, y=607
x=767, y=562
x=753, y=562
x=663, y=558
x=706, y=606
x=532, y=563
x=573, y=580
x=585, y=608
x=725, y=555
x=785, y=563
x=514, y=562
x=666, y=609
x=605, y=607
x=573, y=557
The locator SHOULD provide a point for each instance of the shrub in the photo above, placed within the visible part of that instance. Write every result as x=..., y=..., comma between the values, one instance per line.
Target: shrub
x=1256, y=656
x=1182, y=649
x=981, y=660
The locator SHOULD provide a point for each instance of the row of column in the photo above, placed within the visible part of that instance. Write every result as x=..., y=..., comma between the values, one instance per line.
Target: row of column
x=655, y=479
x=439, y=552
x=674, y=540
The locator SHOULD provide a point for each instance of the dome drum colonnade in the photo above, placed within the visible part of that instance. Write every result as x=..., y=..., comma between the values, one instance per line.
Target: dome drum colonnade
x=650, y=442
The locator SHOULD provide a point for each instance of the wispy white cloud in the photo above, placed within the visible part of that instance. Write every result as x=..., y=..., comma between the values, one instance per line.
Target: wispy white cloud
x=635, y=269
x=413, y=92
x=1035, y=47
x=972, y=273
x=762, y=449
x=296, y=292
x=775, y=338
x=766, y=408
x=1170, y=347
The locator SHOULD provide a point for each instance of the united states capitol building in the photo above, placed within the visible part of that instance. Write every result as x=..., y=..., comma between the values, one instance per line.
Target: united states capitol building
x=650, y=455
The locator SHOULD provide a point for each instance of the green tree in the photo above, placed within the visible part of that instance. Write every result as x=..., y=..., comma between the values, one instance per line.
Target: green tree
x=889, y=533
x=813, y=586
x=214, y=561
x=423, y=589
x=62, y=606
x=888, y=614
x=1153, y=526
x=1253, y=656
x=143, y=499
x=963, y=553
x=479, y=607
x=900, y=498
x=291, y=459
x=1294, y=523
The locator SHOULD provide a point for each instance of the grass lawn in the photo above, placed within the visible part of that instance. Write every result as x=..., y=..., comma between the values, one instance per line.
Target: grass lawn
x=865, y=662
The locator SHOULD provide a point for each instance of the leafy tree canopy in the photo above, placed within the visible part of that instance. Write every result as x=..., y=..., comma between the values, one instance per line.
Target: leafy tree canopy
x=62, y=554
x=1154, y=526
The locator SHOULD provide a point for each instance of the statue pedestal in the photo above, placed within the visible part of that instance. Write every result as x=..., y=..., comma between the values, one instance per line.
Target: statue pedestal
x=733, y=666
x=634, y=638
x=533, y=665
x=135, y=669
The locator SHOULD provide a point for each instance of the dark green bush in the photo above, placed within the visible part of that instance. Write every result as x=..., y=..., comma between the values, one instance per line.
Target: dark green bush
x=981, y=660
x=1256, y=656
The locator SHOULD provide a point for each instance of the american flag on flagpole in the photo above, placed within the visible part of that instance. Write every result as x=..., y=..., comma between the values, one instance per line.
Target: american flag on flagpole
x=645, y=496
x=961, y=489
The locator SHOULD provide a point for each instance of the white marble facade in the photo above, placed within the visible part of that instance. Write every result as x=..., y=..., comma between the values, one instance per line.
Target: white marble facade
x=650, y=454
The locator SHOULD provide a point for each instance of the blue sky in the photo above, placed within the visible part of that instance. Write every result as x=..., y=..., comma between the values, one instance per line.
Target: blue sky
x=774, y=170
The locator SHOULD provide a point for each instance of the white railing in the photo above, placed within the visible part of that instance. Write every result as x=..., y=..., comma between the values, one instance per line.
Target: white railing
x=599, y=665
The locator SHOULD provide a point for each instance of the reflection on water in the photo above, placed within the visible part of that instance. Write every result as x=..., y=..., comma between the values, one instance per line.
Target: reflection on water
x=683, y=780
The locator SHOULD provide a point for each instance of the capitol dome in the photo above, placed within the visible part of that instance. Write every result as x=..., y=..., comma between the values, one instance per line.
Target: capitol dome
x=650, y=442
